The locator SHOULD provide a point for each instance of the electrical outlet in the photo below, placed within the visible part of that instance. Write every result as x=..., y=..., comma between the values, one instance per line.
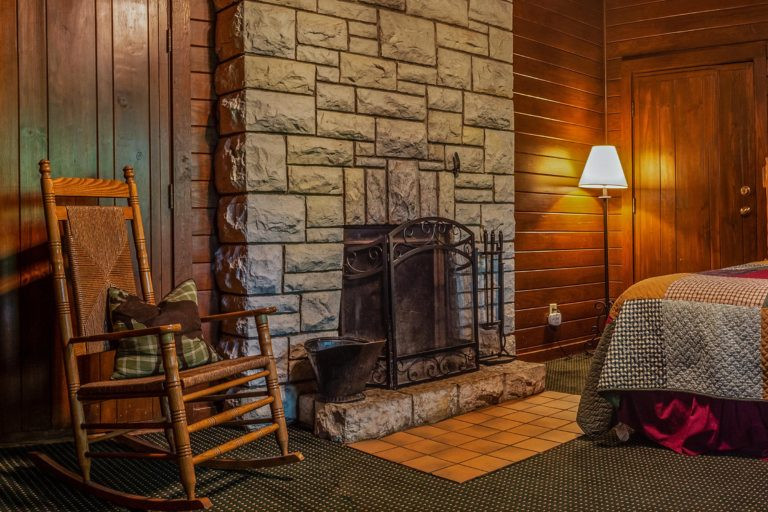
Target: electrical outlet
x=554, y=318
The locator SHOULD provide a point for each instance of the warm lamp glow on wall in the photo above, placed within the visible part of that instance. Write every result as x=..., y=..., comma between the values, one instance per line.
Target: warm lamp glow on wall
x=603, y=170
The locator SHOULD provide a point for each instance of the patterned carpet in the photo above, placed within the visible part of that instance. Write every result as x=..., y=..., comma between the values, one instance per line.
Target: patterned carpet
x=568, y=374
x=576, y=476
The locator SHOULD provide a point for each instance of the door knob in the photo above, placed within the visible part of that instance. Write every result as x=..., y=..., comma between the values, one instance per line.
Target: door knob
x=745, y=190
x=745, y=210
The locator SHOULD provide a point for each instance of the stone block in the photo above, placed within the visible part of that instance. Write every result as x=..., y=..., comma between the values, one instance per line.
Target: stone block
x=336, y=97
x=366, y=161
x=454, y=69
x=462, y=39
x=365, y=71
x=477, y=26
x=249, y=269
x=259, y=218
x=523, y=379
x=325, y=211
x=250, y=162
x=250, y=27
x=365, y=149
x=499, y=152
x=320, y=311
x=319, y=30
x=317, y=55
x=364, y=46
x=259, y=72
x=283, y=303
x=449, y=11
x=345, y=126
x=307, y=5
x=479, y=389
x=489, y=111
x=504, y=189
x=251, y=110
x=382, y=412
x=319, y=151
x=300, y=371
x=471, y=180
x=312, y=281
x=376, y=194
x=297, y=348
x=437, y=152
x=392, y=4
x=313, y=257
x=407, y=38
x=347, y=10
x=416, y=73
x=411, y=88
x=473, y=136
x=492, y=12
x=433, y=401
x=471, y=159
x=445, y=195
x=492, y=77
x=354, y=196
x=390, y=104
x=325, y=235
x=441, y=98
x=327, y=74
x=311, y=179
x=404, y=139
x=444, y=127
x=500, y=216
x=234, y=347
x=359, y=29
x=428, y=194
x=403, y=198
x=468, y=214
x=469, y=195
x=500, y=44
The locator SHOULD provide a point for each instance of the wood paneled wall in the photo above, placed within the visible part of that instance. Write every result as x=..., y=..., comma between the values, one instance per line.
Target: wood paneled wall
x=203, y=64
x=84, y=84
x=559, y=115
x=641, y=27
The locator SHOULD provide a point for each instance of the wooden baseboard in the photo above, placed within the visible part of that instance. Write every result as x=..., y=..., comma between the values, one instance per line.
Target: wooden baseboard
x=554, y=351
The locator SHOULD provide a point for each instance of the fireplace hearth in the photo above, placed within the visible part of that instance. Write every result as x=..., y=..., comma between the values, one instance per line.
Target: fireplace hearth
x=413, y=286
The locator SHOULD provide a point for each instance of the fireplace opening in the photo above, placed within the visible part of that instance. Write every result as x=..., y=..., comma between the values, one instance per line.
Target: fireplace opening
x=415, y=287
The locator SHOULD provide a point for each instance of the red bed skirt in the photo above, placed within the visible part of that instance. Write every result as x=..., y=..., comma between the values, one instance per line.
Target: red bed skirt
x=693, y=424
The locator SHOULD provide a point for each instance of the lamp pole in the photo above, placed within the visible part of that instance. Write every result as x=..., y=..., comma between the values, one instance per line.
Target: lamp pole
x=605, y=197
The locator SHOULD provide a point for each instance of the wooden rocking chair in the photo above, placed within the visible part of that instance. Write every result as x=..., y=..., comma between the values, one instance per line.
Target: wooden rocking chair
x=172, y=388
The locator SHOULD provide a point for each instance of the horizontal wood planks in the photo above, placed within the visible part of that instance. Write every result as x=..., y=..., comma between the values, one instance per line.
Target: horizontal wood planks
x=559, y=115
x=204, y=138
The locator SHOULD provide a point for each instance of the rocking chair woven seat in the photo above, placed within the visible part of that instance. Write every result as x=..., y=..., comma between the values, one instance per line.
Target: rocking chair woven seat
x=96, y=243
x=154, y=385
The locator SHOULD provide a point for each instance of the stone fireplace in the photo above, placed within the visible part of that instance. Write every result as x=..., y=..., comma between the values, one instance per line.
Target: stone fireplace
x=336, y=114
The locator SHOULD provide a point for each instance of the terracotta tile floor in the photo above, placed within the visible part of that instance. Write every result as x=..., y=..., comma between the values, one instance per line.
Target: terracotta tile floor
x=479, y=442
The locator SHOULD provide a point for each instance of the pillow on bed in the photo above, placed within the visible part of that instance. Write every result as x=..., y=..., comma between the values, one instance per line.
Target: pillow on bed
x=141, y=356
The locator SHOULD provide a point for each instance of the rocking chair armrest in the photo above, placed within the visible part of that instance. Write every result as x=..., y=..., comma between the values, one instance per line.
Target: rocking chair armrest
x=238, y=314
x=111, y=336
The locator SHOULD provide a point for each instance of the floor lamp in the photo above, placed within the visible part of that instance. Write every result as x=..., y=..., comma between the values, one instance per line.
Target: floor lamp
x=603, y=170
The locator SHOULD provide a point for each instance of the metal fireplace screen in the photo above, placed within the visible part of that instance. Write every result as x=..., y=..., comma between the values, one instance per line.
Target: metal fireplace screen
x=414, y=286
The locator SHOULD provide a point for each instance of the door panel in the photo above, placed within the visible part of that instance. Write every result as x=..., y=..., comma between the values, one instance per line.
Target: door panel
x=693, y=150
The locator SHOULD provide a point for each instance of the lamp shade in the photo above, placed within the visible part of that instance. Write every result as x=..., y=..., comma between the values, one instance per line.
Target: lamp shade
x=603, y=169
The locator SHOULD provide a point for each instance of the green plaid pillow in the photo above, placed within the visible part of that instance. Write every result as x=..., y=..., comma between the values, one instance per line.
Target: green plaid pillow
x=141, y=356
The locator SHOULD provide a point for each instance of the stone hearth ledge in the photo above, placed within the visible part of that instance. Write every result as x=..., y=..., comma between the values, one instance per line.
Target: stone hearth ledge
x=386, y=411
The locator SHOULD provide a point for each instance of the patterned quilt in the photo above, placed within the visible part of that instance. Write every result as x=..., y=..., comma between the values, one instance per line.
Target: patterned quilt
x=704, y=333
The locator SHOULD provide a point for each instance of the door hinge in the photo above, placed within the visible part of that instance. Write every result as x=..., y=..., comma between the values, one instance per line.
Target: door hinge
x=168, y=41
x=170, y=196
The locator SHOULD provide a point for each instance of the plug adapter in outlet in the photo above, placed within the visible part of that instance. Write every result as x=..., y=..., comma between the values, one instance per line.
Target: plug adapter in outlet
x=554, y=318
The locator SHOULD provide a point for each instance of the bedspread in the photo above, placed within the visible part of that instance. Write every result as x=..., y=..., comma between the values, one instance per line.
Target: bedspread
x=704, y=333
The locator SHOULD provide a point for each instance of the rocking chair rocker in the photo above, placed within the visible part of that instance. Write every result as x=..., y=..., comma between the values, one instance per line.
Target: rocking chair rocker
x=174, y=388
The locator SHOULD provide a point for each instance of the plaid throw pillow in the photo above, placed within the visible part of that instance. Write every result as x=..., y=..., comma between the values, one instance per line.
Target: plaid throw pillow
x=141, y=356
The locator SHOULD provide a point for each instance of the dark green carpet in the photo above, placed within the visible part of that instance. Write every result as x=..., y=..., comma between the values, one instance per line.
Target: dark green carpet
x=568, y=374
x=575, y=476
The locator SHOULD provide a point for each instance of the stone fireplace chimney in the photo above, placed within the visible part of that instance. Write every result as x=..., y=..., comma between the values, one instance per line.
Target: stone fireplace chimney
x=339, y=113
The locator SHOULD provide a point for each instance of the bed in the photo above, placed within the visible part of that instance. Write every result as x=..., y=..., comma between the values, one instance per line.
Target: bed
x=683, y=360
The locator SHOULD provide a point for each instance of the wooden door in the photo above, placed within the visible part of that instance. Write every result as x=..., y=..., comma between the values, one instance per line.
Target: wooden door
x=695, y=177
x=84, y=83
